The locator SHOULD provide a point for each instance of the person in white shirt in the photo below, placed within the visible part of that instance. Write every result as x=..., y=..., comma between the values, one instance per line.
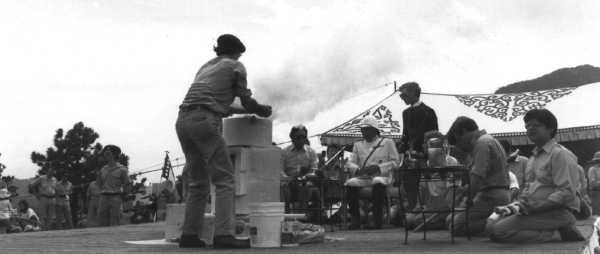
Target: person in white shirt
x=371, y=164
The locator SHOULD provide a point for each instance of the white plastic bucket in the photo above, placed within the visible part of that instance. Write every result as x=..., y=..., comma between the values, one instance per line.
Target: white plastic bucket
x=174, y=224
x=265, y=224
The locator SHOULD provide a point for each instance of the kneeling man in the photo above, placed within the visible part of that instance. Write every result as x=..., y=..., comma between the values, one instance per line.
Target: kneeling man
x=546, y=204
x=488, y=175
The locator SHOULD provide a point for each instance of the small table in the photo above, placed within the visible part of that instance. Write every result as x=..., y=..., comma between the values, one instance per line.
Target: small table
x=431, y=174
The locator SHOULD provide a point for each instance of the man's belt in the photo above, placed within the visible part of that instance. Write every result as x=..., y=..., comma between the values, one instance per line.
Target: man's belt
x=111, y=193
x=186, y=108
x=48, y=196
x=62, y=196
x=489, y=188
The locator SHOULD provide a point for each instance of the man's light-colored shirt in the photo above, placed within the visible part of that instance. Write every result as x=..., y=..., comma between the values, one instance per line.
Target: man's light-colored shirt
x=556, y=175
x=63, y=189
x=45, y=186
x=385, y=156
x=217, y=83
x=113, y=179
x=489, y=162
x=294, y=159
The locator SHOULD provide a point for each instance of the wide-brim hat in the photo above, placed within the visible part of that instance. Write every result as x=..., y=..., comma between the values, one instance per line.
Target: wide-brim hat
x=369, y=121
x=596, y=158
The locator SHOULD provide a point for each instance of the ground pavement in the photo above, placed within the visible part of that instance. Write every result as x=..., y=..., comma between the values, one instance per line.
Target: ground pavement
x=112, y=240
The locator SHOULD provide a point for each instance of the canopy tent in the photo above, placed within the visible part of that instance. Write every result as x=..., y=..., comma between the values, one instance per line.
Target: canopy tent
x=499, y=114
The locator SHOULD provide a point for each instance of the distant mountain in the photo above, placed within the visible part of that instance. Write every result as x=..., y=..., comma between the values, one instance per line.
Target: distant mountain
x=565, y=77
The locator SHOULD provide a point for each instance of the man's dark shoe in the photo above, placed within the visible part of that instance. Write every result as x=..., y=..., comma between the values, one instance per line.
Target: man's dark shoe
x=230, y=242
x=191, y=241
x=570, y=234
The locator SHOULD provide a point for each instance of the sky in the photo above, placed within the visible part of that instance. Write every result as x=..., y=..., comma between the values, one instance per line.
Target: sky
x=123, y=67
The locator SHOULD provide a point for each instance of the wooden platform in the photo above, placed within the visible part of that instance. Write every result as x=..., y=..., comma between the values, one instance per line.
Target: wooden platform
x=112, y=240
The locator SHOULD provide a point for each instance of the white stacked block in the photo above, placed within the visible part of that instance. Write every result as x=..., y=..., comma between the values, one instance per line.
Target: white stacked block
x=248, y=131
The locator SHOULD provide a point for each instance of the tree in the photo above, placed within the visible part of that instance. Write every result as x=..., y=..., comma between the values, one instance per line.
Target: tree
x=77, y=156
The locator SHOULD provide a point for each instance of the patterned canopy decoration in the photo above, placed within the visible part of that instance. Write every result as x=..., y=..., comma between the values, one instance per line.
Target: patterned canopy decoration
x=388, y=126
x=507, y=107
x=499, y=114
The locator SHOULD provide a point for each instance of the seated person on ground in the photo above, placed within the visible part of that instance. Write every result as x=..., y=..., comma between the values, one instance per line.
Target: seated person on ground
x=517, y=164
x=299, y=162
x=371, y=163
x=439, y=193
x=594, y=182
x=27, y=218
x=545, y=205
x=488, y=175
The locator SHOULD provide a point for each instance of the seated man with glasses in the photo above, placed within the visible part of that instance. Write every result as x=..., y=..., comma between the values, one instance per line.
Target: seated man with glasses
x=299, y=163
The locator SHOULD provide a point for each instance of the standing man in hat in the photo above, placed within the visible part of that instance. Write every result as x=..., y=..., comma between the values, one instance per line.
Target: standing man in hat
x=594, y=182
x=113, y=181
x=417, y=119
x=199, y=129
x=371, y=162
x=44, y=188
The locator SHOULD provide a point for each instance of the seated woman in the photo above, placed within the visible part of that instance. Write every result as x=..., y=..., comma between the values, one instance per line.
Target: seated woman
x=371, y=163
x=545, y=205
x=438, y=194
x=27, y=218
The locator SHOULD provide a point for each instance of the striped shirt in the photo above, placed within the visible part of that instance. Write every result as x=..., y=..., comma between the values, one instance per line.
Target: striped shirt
x=217, y=83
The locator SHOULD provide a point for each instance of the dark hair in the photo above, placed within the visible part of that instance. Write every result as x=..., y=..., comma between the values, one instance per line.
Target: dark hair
x=545, y=117
x=229, y=44
x=506, y=145
x=414, y=86
x=298, y=128
x=433, y=134
x=115, y=150
x=461, y=125
x=24, y=202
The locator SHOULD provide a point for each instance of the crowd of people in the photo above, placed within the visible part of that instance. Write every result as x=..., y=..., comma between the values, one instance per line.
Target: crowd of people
x=512, y=198
x=107, y=199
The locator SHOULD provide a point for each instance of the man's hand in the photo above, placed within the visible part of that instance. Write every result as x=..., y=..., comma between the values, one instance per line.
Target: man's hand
x=372, y=170
x=304, y=171
x=264, y=111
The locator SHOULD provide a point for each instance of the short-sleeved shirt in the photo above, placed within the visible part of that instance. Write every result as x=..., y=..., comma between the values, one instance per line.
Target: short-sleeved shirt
x=112, y=179
x=45, y=186
x=63, y=189
x=29, y=215
x=293, y=159
x=489, y=162
x=556, y=175
x=217, y=83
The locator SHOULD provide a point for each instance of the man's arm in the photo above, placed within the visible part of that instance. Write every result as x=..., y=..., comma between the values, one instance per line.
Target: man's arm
x=404, y=140
x=252, y=106
x=125, y=181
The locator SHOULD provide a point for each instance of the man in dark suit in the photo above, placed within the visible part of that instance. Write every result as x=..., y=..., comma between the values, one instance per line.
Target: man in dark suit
x=417, y=119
